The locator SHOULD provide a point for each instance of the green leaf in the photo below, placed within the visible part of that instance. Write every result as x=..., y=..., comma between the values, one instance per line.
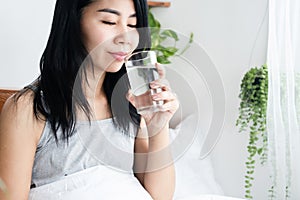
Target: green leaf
x=249, y=177
x=163, y=60
x=152, y=21
x=155, y=41
x=170, y=33
x=250, y=163
x=169, y=51
x=259, y=151
x=191, y=38
x=155, y=33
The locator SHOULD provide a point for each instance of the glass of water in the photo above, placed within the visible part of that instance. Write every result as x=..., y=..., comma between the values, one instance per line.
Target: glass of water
x=141, y=72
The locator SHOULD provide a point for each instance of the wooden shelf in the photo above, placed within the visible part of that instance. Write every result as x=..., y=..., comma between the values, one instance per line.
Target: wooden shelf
x=158, y=4
x=4, y=94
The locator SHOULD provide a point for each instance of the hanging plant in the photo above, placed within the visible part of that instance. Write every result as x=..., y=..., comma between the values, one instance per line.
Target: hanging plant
x=252, y=119
x=159, y=36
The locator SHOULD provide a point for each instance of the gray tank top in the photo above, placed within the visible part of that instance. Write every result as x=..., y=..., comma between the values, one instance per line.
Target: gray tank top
x=94, y=143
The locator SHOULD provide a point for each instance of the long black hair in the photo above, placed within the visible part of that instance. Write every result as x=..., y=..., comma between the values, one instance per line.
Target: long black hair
x=60, y=63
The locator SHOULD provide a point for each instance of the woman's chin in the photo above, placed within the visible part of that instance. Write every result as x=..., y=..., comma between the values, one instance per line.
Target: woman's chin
x=114, y=67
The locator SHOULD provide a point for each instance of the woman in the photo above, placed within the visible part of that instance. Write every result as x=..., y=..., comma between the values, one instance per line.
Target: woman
x=40, y=126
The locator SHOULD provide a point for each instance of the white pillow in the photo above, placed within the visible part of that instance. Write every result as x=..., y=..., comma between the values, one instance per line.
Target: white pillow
x=193, y=175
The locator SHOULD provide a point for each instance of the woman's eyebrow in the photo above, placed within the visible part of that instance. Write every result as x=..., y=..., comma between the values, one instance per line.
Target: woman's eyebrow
x=109, y=10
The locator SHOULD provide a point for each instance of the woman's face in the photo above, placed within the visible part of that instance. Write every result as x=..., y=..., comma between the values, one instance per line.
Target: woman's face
x=109, y=32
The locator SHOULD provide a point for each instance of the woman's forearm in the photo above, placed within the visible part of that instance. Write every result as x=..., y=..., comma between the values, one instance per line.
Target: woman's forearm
x=159, y=178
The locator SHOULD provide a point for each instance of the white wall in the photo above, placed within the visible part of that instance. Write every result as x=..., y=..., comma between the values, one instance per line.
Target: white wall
x=25, y=27
x=227, y=30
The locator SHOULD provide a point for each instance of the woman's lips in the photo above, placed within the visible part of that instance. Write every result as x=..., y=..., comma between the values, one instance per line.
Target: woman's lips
x=119, y=56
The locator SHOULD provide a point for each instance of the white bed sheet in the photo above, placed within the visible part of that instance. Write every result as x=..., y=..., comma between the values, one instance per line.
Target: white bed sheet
x=95, y=183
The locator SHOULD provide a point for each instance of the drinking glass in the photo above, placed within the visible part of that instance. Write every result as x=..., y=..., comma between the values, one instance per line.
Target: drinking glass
x=141, y=72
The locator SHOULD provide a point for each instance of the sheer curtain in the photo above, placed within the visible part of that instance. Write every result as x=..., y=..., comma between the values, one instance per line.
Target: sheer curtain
x=283, y=115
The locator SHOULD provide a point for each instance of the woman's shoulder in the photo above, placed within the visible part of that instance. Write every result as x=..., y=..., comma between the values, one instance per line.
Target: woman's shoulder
x=19, y=105
x=18, y=114
x=20, y=131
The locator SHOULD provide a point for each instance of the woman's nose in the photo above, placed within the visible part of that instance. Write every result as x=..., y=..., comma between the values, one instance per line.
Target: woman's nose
x=123, y=38
x=126, y=35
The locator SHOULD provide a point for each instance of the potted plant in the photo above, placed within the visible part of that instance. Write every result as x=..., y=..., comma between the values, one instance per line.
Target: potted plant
x=163, y=41
x=252, y=119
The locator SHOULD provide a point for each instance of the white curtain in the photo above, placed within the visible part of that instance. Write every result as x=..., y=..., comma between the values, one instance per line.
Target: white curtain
x=283, y=115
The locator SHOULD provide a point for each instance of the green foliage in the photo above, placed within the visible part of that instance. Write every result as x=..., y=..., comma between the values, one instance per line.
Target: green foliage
x=159, y=36
x=252, y=119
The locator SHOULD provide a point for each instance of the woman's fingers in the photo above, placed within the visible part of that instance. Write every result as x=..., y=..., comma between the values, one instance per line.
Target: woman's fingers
x=170, y=106
x=160, y=83
x=160, y=92
x=164, y=95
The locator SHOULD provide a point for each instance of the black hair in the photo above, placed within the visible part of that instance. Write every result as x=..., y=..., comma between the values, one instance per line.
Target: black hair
x=55, y=97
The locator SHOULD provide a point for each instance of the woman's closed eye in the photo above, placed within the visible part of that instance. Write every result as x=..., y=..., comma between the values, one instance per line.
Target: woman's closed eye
x=108, y=22
x=132, y=25
x=114, y=23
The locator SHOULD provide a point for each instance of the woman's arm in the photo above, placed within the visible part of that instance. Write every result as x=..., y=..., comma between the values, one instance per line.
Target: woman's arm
x=159, y=179
x=154, y=164
x=20, y=131
x=141, y=147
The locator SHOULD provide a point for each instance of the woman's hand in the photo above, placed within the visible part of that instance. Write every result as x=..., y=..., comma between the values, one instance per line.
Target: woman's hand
x=155, y=121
